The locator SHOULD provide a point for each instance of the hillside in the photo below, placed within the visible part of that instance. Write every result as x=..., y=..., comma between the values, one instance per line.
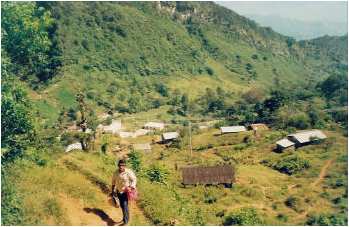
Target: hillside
x=195, y=66
x=107, y=47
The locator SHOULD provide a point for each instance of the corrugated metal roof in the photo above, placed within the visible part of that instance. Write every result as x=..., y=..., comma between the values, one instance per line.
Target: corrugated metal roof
x=74, y=146
x=142, y=146
x=154, y=125
x=208, y=175
x=229, y=129
x=307, y=136
x=170, y=135
x=285, y=143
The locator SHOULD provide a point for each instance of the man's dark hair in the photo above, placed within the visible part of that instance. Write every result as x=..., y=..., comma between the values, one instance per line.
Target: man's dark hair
x=122, y=162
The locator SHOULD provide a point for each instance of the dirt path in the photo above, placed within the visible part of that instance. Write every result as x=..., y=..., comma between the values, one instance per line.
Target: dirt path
x=97, y=214
x=322, y=173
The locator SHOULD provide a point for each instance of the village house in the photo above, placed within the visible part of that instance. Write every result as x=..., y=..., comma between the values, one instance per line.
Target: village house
x=154, y=126
x=169, y=136
x=74, y=146
x=284, y=144
x=306, y=137
x=141, y=132
x=232, y=129
x=123, y=134
x=142, y=147
x=299, y=139
x=113, y=128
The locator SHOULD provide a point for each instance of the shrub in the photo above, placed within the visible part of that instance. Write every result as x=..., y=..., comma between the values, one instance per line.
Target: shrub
x=209, y=198
x=291, y=164
x=300, y=121
x=295, y=203
x=209, y=71
x=282, y=217
x=11, y=209
x=135, y=160
x=244, y=216
x=327, y=219
x=157, y=174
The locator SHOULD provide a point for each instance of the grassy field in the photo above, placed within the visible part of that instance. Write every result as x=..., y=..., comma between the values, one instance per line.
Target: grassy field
x=71, y=188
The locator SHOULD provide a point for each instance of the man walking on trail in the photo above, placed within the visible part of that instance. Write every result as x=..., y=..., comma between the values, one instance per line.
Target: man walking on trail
x=123, y=180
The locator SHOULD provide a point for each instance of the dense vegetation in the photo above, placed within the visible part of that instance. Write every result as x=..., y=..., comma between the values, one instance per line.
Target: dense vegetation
x=181, y=60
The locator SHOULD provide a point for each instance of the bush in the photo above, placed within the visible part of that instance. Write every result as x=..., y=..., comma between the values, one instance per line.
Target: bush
x=135, y=160
x=244, y=216
x=209, y=71
x=291, y=164
x=299, y=121
x=209, y=198
x=157, y=174
x=295, y=203
x=327, y=219
x=11, y=209
x=282, y=217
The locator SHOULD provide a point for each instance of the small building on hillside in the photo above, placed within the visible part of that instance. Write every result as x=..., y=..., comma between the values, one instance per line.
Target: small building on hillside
x=169, y=136
x=154, y=126
x=113, y=128
x=284, y=144
x=258, y=127
x=123, y=134
x=74, y=146
x=208, y=175
x=141, y=132
x=232, y=129
x=306, y=137
x=142, y=147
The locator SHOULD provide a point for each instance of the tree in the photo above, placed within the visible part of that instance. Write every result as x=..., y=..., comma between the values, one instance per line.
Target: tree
x=184, y=104
x=26, y=38
x=277, y=99
x=253, y=95
x=17, y=128
x=162, y=89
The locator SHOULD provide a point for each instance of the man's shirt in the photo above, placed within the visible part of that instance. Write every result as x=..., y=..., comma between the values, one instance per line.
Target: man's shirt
x=124, y=179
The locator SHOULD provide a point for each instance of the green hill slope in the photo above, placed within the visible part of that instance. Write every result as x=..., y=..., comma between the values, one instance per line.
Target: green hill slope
x=120, y=52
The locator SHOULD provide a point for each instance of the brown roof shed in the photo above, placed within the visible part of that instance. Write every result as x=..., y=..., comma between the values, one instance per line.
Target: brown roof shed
x=208, y=175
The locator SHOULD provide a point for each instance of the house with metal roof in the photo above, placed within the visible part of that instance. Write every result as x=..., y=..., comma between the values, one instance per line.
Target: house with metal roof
x=154, y=125
x=169, y=136
x=284, y=144
x=232, y=129
x=142, y=147
x=74, y=146
x=123, y=134
x=208, y=175
x=306, y=137
x=113, y=128
x=141, y=132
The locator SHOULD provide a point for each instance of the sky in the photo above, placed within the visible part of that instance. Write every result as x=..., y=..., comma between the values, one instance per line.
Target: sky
x=315, y=11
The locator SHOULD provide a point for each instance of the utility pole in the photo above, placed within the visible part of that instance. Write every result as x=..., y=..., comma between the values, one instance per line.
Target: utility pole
x=190, y=145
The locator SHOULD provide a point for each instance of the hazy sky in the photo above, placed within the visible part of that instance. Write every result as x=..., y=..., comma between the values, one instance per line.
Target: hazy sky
x=306, y=11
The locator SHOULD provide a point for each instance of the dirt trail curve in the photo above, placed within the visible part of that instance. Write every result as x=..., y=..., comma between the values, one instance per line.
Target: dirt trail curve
x=101, y=214
x=322, y=173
